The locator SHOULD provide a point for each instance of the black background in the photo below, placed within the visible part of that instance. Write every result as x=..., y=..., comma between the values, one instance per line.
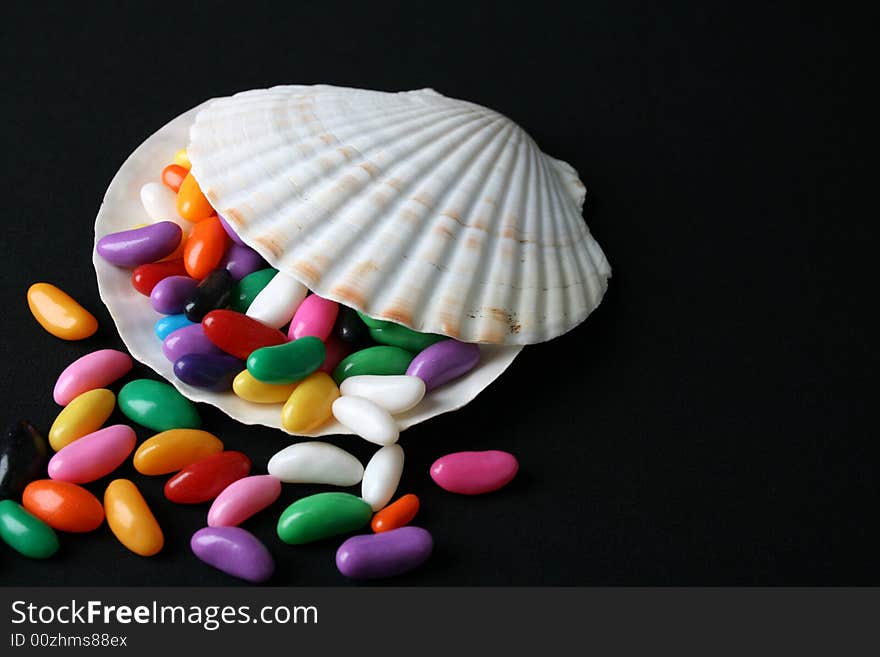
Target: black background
x=703, y=426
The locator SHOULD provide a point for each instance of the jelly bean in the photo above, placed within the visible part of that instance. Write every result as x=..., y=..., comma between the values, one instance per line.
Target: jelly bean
x=442, y=362
x=234, y=551
x=276, y=303
x=310, y=405
x=172, y=177
x=395, y=515
x=287, y=363
x=368, y=420
x=145, y=277
x=23, y=458
x=396, y=335
x=181, y=158
x=204, y=480
x=315, y=462
x=160, y=204
x=83, y=415
x=381, y=476
x=63, y=506
x=165, y=326
x=336, y=350
x=473, y=473
x=213, y=292
x=239, y=335
x=350, y=327
x=93, y=456
x=59, y=314
x=130, y=519
x=321, y=516
x=230, y=231
x=391, y=553
x=205, y=248
x=396, y=394
x=373, y=360
x=208, y=371
x=248, y=388
x=241, y=260
x=175, y=449
x=249, y=287
x=169, y=296
x=25, y=533
x=315, y=316
x=177, y=253
x=157, y=406
x=188, y=340
x=130, y=248
x=191, y=203
x=243, y=498
x=95, y=370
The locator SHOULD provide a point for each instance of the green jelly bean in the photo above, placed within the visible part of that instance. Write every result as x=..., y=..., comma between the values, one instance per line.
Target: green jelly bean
x=322, y=516
x=288, y=362
x=373, y=360
x=249, y=287
x=396, y=335
x=157, y=406
x=26, y=533
x=372, y=323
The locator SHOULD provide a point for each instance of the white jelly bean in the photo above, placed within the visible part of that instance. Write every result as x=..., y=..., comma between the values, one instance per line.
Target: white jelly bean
x=160, y=204
x=367, y=419
x=395, y=393
x=277, y=302
x=316, y=462
x=382, y=476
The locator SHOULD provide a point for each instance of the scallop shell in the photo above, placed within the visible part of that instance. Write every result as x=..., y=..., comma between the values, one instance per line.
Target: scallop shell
x=428, y=211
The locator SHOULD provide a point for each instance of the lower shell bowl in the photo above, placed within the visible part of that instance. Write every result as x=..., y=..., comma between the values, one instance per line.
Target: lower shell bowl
x=135, y=319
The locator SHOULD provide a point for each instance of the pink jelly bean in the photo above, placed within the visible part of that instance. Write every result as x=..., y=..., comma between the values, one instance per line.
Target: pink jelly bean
x=243, y=498
x=336, y=350
x=473, y=473
x=93, y=456
x=315, y=316
x=95, y=370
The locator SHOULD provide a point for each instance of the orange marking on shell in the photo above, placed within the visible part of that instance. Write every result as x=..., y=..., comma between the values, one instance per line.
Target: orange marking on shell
x=349, y=296
x=394, y=182
x=474, y=243
x=452, y=214
x=370, y=168
x=270, y=244
x=327, y=139
x=307, y=272
x=444, y=232
x=399, y=314
x=233, y=215
x=346, y=152
x=211, y=195
x=424, y=199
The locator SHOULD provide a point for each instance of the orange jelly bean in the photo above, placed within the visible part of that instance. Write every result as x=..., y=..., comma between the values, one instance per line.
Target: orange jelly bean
x=205, y=248
x=59, y=313
x=191, y=203
x=131, y=520
x=396, y=515
x=63, y=506
x=173, y=175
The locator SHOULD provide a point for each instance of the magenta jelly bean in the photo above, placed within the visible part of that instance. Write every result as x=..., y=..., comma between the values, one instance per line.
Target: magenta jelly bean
x=95, y=370
x=232, y=235
x=240, y=260
x=444, y=361
x=243, y=498
x=474, y=473
x=93, y=456
x=336, y=350
x=188, y=340
x=130, y=248
x=170, y=294
x=315, y=317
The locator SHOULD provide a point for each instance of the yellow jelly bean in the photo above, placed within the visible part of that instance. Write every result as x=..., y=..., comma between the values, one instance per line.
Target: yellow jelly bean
x=85, y=414
x=59, y=313
x=250, y=389
x=311, y=404
x=131, y=520
x=175, y=449
x=181, y=159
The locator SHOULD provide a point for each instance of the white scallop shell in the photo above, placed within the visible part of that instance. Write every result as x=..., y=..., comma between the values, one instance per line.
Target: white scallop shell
x=432, y=212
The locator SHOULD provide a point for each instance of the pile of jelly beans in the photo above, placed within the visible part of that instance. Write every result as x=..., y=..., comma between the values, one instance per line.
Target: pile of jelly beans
x=233, y=323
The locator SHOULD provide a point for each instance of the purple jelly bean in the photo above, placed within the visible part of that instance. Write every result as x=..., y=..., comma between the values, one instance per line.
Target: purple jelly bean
x=170, y=294
x=374, y=556
x=188, y=340
x=130, y=248
x=235, y=551
x=232, y=235
x=444, y=361
x=242, y=260
x=209, y=371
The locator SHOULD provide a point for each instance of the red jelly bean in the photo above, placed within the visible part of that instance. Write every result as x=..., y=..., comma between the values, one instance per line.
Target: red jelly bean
x=145, y=277
x=173, y=175
x=204, y=480
x=396, y=515
x=336, y=351
x=205, y=247
x=239, y=335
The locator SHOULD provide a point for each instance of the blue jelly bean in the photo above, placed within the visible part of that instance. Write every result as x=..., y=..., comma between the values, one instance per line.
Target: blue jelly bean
x=170, y=323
